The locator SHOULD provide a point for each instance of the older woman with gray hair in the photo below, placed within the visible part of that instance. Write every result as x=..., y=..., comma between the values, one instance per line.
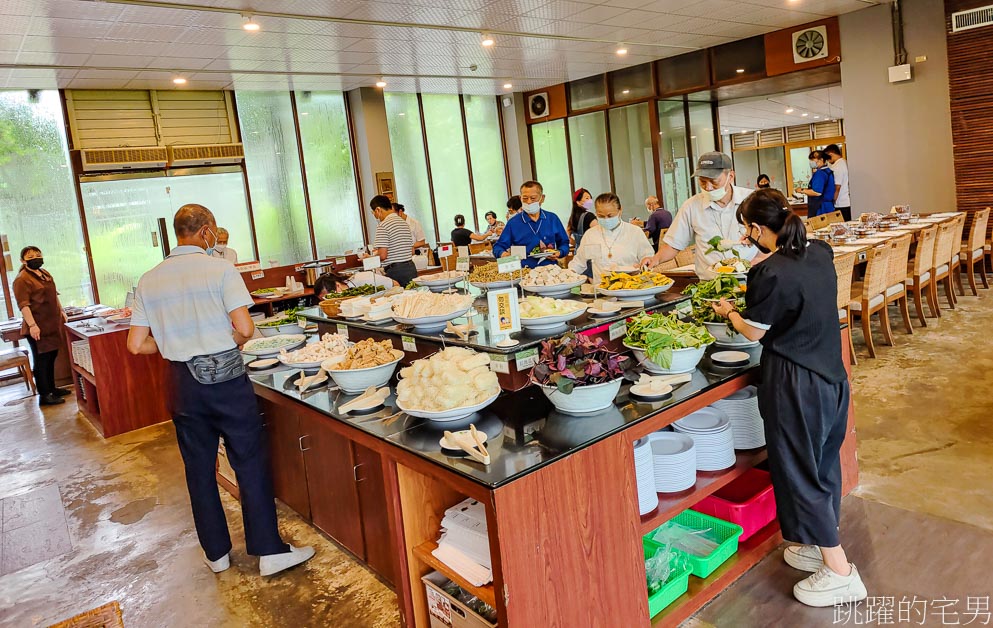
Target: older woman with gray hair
x=221, y=249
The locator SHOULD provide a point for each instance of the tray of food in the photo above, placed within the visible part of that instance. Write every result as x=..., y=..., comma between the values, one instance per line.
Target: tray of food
x=486, y=277
x=447, y=386
x=429, y=311
x=547, y=314
x=440, y=281
x=310, y=356
x=639, y=285
x=272, y=345
x=552, y=281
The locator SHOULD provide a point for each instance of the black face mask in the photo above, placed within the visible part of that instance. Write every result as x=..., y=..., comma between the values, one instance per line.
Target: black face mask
x=36, y=263
x=756, y=244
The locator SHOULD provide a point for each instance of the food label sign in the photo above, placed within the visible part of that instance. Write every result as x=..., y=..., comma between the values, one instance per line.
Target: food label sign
x=618, y=329
x=500, y=363
x=505, y=314
x=526, y=359
x=445, y=250
x=343, y=330
x=462, y=264
x=371, y=262
x=408, y=344
x=508, y=264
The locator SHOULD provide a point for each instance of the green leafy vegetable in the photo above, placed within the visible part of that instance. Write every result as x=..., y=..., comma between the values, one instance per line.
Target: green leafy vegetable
x=286, y=317
x=661, y=334
x=703, y=294
x=357, y=291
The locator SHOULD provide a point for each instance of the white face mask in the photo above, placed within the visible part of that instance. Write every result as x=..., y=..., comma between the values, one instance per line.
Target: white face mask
x=219, y=248
x=532, y=208
x=610, y=223
x=719, y=193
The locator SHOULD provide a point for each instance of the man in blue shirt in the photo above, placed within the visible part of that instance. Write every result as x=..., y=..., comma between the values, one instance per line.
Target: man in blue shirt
x=533, y=228
x=820, y=194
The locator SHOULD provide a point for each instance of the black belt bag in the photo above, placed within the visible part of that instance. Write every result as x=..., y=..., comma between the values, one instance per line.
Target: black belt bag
x=217, y=368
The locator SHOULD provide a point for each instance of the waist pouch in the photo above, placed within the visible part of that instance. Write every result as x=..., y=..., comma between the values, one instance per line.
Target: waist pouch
x=217, y=368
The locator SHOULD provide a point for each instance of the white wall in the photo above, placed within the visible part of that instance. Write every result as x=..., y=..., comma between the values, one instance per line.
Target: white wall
x=372, y=144
x=899, y=134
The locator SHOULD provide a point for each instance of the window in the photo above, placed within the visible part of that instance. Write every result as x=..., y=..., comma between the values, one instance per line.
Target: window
x=489, y=175
x=588, y=144
x=449, y=168
x=586, y=93
x=122, y=216
x=274, y=180
x=551, y=165
x=632, y=83
x=631, y=154
x=701, y=128
x=675, y=159
x=409, y=166
x=37, y=197
x=327, y=157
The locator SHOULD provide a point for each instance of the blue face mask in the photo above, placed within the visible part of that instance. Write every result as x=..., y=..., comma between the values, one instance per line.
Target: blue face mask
x=210, y=249
x=609, y=223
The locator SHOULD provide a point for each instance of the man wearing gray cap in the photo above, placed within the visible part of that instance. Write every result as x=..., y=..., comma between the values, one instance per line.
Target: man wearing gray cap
x=710, y=214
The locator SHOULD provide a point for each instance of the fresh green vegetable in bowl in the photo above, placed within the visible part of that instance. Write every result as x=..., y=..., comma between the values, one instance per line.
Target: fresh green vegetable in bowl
x=661, y=334
x=703, y=294
x=356, y=291
x=574, y=360
x=286, y=317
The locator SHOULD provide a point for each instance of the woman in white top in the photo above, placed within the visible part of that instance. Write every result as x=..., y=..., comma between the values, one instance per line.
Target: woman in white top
x=612, y=243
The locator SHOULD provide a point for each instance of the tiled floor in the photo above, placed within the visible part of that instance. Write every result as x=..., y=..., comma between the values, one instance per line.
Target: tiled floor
x=33, y=528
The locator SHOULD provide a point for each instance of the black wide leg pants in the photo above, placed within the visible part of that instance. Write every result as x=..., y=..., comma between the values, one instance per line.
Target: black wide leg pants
x=805, y=422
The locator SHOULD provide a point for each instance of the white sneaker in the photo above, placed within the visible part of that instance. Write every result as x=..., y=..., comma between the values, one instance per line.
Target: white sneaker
x=804, y=557
x=274, y=563
x=827, y=588
x=219, y=565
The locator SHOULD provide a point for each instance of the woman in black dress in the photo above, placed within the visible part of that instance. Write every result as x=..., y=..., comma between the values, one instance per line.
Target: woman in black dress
x=462, y=236
x=790, y=307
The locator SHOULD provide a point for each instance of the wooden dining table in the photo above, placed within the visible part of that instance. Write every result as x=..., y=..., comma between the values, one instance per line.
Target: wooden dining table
x=861, y=246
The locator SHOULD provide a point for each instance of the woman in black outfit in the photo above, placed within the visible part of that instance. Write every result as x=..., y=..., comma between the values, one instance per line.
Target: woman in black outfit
x=790, y=307
x=462, y=236
x=582, y=217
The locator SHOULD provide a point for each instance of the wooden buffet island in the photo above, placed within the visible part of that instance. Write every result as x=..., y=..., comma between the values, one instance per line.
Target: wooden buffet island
x=560, y=495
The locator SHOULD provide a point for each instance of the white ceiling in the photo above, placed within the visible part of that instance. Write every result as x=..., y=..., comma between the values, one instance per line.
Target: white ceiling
x=418, y=45
x=769, y=112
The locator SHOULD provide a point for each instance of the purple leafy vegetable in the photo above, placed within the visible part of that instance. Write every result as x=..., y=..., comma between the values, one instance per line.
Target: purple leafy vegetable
x=573, y=360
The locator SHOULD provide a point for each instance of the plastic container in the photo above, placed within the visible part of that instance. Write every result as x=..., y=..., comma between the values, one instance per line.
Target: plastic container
x=677, y=584
x=748, y=502
x=726, y=533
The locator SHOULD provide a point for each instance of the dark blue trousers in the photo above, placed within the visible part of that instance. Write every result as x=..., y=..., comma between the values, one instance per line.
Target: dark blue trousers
x=202, y=413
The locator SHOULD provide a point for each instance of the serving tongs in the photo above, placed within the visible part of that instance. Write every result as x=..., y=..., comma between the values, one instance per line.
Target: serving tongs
x=462, y=331
x=658, y=380
x=371, y=393
x=395, y=290
x=470, y=443
x=304, y=382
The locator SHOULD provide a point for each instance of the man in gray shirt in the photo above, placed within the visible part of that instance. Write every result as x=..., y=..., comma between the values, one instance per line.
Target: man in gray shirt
x=193, y=310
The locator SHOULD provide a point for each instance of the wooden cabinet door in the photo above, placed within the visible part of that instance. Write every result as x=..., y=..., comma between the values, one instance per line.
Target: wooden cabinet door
x=289, y=479
x=379, y=543
x=334, y=499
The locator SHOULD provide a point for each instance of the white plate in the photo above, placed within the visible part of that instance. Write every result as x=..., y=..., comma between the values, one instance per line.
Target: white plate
x=646, y=391
x=299, y=365
x=551, y=322
x=730, y=357
x=603, y=313
x=668, y=444
x=448, y=281
x=262, y=365
x=644, y=293
x=704, y=420
x=444, y=444
x=448, y=415
x=493, y=285
x=431, y=323
x=293, y=341
x=556, y=289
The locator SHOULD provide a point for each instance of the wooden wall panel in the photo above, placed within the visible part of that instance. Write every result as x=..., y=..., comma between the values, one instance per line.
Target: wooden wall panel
x=779, y=48
x=970, y=87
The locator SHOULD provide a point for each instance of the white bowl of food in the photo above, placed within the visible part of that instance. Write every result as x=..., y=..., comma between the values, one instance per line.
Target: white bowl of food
x=430, y=324
x=643, y=294
x=683, y=360
x=279, y=327
x=727, y=338
x=453, y=414
x=354, y=381
x=555, y=319
x=439, y=282
x=272, y=345
x=558, y=290
x=583, y=399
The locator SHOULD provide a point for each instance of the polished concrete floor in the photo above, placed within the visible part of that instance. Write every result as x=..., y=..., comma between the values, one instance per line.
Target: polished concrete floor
x=84, y=520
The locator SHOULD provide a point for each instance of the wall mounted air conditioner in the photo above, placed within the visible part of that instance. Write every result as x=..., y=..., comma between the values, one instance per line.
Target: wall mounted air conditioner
x=205, y=155
x=133, y=158
x=973, y=18
x=538, y=105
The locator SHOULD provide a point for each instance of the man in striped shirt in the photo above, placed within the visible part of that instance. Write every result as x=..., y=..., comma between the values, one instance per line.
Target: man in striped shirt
x=394, y=241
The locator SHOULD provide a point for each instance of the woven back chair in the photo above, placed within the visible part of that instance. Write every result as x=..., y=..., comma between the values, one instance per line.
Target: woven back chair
x=844, y=267
x=920, y=274
x=974, y=250
x=106, y=616
x=834, y=217
x=942, y=253
x=955, y=261
x=685, y=257
x=869, y=295
x=896, y=282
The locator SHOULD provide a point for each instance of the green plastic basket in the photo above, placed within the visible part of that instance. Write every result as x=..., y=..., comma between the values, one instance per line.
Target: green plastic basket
x=727, y=533
x=677, y=584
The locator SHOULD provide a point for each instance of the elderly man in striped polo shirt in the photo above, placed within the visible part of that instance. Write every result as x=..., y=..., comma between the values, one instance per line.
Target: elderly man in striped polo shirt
x=394, y=241
x=193, y=310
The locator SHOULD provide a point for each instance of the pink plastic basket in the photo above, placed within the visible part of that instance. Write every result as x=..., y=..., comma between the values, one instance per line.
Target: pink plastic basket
x=748, y=501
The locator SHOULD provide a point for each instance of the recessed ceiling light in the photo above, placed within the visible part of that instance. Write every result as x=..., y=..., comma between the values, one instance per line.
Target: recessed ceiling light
x=726, y=131
x=693, y=137
x=621, y=51
x=487, y=40
x=304, y=113
x=508, y=86
x=402, y=114
x=740, y=70
x=381, y=83
x=804, y=114
x=817, y=117
x=626, y=91
x=790, y=110
x=179, y=80
x=250, y=24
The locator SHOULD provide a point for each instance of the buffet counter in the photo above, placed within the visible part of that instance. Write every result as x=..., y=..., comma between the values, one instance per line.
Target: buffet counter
x=560, y=494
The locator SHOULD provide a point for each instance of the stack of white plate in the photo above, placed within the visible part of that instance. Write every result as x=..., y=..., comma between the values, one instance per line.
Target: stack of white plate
x=648, y=499
x=674, y=457
x=710, y=430
x=742, y=407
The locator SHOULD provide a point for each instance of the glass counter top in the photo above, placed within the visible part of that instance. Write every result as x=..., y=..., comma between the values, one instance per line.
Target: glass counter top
x=524, y=430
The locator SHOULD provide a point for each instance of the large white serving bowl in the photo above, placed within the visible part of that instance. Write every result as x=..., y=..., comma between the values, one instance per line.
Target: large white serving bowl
x=557, y=290
x=683, y=360
x=293, y=341
x=583, y=399
x=550, y=323
x=644, y=294
x=494, y=285
x=448, y=415
x=430, y=324
x=438, y=285
x=288, y=328
x=354, y=381
x=726, y=339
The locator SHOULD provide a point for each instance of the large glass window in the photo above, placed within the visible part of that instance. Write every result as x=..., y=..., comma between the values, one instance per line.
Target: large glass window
x=327, y=156
x=273, y=164
x=551, y=164
x=449, y=168
x=631, y=152
x=701, y=128
x=122, y=220
x=37, y=197
x=409, y=167
x=675, y=161
x=489, y=175
x=588, y=144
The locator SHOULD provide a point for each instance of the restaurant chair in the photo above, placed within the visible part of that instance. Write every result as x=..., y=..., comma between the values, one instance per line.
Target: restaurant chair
x=817, y=222
x=833, y=218
x=685, y=257
x=844, y=266
x=896, y=288
x=479, y=247
x=18, y=358
x=106, y=616
x=973, y=250
x=920, y=274
x=955, y=261
x=869, y=296
x=942, y=253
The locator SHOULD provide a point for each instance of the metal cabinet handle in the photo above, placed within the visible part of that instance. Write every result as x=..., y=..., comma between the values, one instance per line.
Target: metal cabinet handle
x=302, y=448
x=355, y=473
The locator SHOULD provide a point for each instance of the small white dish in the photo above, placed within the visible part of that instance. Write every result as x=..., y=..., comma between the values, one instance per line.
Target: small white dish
x=730, y=358
x=651, y=392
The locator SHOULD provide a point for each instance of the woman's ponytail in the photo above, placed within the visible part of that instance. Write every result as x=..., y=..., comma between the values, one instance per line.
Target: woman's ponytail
x=792, y=237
